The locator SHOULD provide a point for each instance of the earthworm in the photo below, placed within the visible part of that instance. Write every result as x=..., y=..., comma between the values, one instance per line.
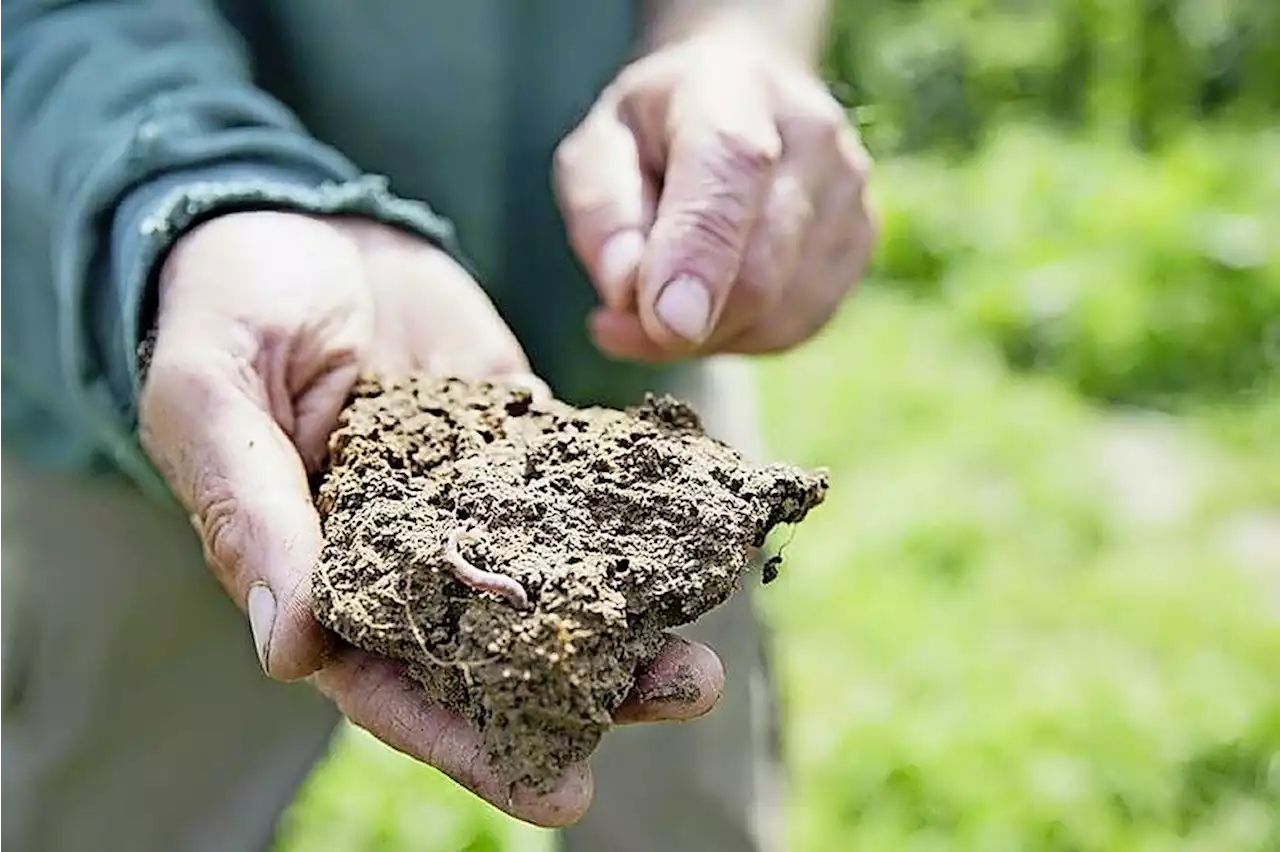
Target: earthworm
x=478, y=578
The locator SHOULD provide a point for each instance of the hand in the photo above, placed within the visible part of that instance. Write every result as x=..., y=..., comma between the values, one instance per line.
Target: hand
x=265, y=321
x=714, y=193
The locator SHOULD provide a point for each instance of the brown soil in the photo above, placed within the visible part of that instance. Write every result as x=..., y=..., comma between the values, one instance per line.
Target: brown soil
x=618, y=524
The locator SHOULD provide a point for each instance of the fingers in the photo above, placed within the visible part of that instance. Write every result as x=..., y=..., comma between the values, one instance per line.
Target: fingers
x=244, y=483
x=813, y=307
x=431, y=315
x=375, y=694
x=720, y=164
x=835, y=252
x=318, y=405
x=607, y=201
x=261, y=319
x=772, y=254
x=761, y=228
x=771, y=258
x=683, y=682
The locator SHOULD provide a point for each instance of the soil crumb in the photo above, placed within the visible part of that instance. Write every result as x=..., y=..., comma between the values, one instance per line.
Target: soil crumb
x=616, y=526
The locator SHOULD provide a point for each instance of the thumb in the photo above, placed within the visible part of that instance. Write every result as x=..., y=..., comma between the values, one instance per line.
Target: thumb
x=724, y=146
x=242, y=479
x=607, y=200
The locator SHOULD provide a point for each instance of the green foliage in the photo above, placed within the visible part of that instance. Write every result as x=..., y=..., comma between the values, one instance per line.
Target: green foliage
x=1027, y=619
x=1138, y=279
x=983, y=643
x=941, y=72
x=983, y=647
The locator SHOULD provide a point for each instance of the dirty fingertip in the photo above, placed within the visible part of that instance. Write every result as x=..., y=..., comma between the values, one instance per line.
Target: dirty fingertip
x=564, y=805
x=683, y=682
x=540, y=390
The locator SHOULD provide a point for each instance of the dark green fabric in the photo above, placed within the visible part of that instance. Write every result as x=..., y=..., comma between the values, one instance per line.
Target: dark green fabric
x=125, y=122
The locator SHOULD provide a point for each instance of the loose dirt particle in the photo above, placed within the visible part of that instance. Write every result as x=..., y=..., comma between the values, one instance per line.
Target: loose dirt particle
x=614, y=525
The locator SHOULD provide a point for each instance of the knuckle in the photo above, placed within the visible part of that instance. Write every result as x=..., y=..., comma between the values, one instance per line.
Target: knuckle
x=824, y=125
x=589, y=214
x=503, y=363
x=711, y=226
x=219, y=515
x=745, y=154
x=566, y=155
x=854, y=156
x=632, y=79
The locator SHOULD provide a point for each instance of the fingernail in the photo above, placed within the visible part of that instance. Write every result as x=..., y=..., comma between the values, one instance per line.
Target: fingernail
x=262, y=617
x=685, y=306
x=540, y=390
x=618, y=261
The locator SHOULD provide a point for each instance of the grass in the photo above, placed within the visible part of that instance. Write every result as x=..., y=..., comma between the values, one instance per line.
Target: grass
x=1024, y=620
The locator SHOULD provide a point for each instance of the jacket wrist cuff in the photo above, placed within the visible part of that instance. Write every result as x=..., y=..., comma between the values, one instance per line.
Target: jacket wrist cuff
x=151, y=219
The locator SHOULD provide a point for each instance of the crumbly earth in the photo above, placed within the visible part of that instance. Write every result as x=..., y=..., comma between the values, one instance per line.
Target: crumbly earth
x=618, y=524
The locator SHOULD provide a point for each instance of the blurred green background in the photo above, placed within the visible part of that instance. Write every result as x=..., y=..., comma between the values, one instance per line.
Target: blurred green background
x=1041, y=609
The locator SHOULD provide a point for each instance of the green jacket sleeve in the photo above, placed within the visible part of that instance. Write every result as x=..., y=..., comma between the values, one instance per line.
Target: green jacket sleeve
x=126, y=123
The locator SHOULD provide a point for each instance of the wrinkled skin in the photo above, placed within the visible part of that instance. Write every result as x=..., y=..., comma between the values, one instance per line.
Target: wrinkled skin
x=265, y=321
x=715, y=194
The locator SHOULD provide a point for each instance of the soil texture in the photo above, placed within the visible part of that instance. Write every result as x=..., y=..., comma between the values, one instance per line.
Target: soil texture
x=523, y=558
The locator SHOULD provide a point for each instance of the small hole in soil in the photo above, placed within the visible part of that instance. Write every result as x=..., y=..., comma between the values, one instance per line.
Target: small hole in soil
x=573, y=560
x=621, y=566
x=462, y=514
x=487, y=436
x=519, y=404
x=769, y=572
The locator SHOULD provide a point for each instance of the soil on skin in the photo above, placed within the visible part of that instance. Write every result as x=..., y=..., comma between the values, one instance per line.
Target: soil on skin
x=619, y=524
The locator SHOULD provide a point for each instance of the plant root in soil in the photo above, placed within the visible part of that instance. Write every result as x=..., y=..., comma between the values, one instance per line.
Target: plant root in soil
x=523, y=558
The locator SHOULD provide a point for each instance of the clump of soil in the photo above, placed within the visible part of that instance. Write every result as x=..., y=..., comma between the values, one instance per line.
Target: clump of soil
x=617, y=525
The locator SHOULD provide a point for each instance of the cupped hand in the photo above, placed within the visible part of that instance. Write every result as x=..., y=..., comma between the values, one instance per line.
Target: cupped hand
x=265, y=321
x=714, y=194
